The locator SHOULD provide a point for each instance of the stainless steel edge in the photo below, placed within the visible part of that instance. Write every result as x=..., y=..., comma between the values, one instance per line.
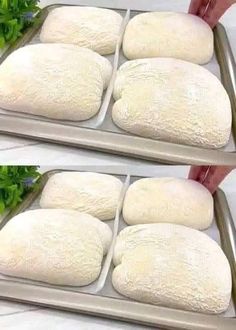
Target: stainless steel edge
x=227, y=231
x=125, y=145
x=226, y=60
x=114, y=308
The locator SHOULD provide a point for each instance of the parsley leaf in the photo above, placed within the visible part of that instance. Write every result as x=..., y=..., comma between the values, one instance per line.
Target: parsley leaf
x=15, y=183
x=15, y=17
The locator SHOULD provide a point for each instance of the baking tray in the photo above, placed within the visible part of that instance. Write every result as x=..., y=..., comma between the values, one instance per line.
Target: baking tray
x=107, y=302
x=101, y=134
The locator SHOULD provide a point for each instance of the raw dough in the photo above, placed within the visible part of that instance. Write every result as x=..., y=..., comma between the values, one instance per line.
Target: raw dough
x=173, y=200
x=62, y=247
x=172, y=266
x=172, y=100
x=169, y=34
x=64, y=82
x=94, y=28
x=93, y=193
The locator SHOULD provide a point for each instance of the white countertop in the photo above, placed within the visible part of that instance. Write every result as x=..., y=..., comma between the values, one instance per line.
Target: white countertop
x=21, y=151
x=15, y=316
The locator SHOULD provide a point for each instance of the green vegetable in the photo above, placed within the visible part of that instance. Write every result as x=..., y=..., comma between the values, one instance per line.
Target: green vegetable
x=15, y=183
x=15, y=17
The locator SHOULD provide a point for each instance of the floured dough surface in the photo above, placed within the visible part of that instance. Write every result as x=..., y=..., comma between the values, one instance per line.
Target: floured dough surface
x=172, y=266
x=62, y=247
x=90, y=27
x=93, y=193
x=169, y=34
x=64, y=82
x=173, y=200
x=172, y=100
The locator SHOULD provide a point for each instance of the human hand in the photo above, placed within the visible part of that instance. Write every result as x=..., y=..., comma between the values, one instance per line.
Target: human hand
x=209, y=176
x=210, y=10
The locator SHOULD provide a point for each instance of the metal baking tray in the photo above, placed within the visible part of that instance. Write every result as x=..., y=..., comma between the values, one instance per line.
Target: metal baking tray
x=101, y=134
x=106, y=302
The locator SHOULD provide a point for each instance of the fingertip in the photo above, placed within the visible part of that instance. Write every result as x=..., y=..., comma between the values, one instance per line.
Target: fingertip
x=215, y=176
x=212, y=22
x=203, y=174
x=210, y=184
x=215, y=11
x=203, y=8
x=211, y=188
x=194, y=172
x=191, y=10
x=194, y=7
x=202, y=11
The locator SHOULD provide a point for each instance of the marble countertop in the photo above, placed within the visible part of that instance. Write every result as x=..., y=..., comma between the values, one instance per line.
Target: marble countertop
x=22, y=151
x=25, y=317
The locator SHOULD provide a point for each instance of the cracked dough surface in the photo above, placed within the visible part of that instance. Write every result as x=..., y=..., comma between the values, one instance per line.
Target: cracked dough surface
x=93, y=193
x=64, y=82
x=168, y=34
x=172, y=100
x=90, y=27
x=62, y=247
x=172, y=266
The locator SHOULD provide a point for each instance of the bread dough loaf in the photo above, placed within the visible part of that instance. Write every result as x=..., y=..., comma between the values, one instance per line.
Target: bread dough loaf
x=62, y=247
x=172, y=200
x=63, y=82
x=93, y=193
x=169, y=34
x=94, y=28
x=172, y=100
x=172, y=266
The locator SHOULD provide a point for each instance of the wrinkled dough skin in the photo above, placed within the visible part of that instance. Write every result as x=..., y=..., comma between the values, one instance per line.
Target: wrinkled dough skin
x=94, y=28
x=169, y=34
x=94, y=193
x=172, y=100
x=172, y=200
x=61, y=247
x=64, y=82
x=172, y=266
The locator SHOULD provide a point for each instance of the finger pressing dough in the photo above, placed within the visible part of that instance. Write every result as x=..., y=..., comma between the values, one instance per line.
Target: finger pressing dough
x=172, y=100
x=90, y=27
x=62, y=247
x=93, y=193
x=172, y=200
x=169, y=34
x=57, y=81
x=172, y=266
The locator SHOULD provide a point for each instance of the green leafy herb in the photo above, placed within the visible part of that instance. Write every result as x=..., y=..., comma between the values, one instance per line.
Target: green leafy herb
x=15, y=17
x=15, y=183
